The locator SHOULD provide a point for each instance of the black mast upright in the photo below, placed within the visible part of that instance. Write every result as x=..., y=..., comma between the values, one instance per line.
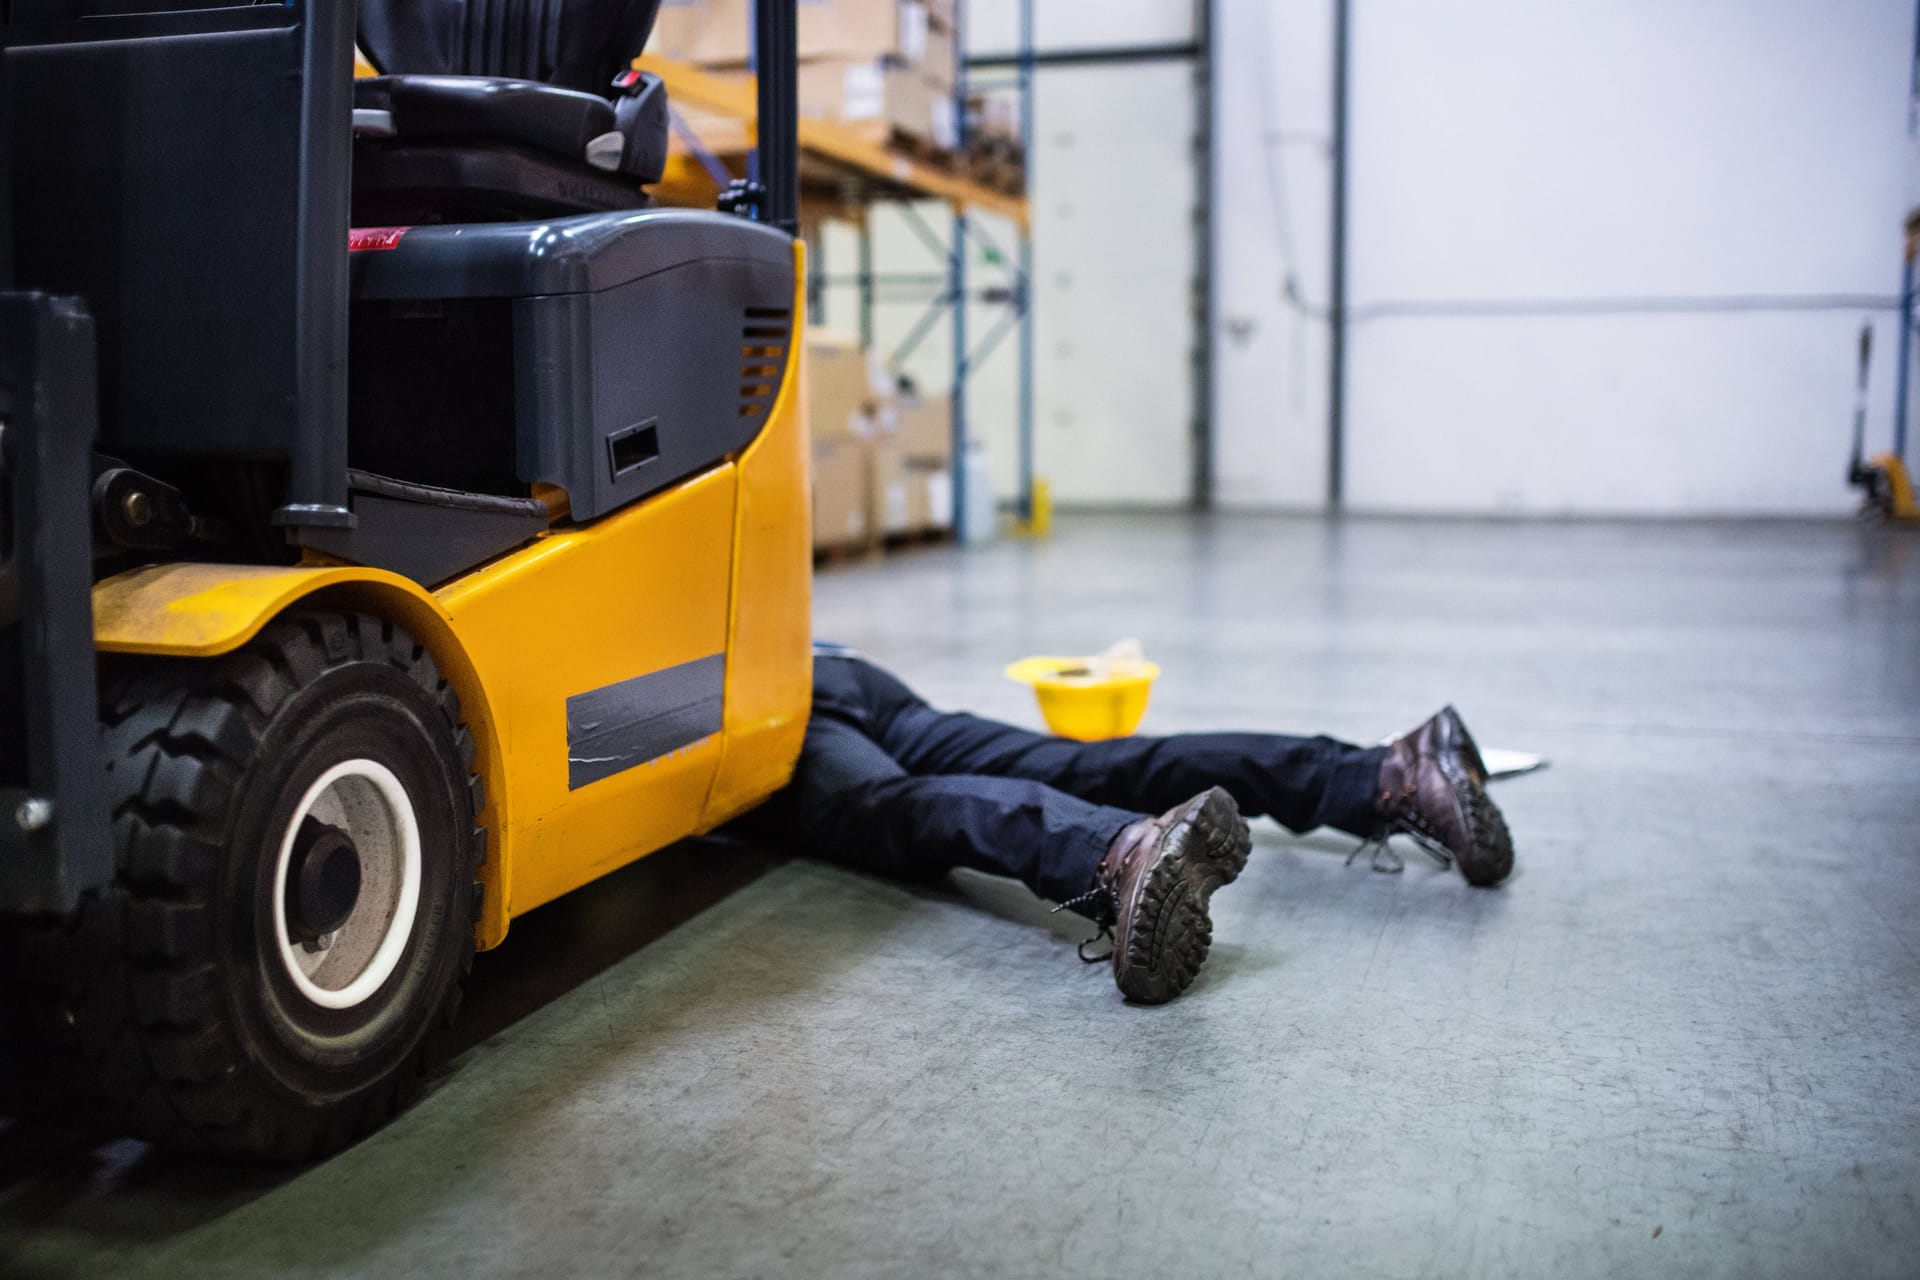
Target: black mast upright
x=776, y=63
x=1337, y=290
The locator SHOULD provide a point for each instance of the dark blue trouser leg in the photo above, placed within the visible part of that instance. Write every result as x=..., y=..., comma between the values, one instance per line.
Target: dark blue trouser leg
x=852, y=803
x=1300, y=782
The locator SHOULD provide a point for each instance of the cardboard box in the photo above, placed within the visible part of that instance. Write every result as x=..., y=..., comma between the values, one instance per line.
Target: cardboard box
x=936, y=61
x=719, y=32
x=709, y=32
x=992, y=115
x=840, y=503
x=874, y=100
x=905, y=31
x=907, y=495
x=937, y=485
x=926, y=428
x=889, y=489
x=929, y=496
x=839, y=390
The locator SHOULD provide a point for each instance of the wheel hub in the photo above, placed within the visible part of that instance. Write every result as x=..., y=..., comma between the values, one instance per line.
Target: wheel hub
x=347, y=886
x=325, y=884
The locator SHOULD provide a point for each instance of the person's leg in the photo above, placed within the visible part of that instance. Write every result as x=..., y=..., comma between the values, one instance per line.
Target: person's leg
x=1146, y=880
x=852, y=804
x=1435, y=787
x=1300, y=782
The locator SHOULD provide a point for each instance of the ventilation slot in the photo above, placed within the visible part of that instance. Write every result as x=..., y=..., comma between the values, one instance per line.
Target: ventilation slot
x=764, y=336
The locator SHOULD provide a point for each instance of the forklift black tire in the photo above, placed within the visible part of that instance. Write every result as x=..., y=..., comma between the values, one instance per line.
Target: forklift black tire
x=294, y=826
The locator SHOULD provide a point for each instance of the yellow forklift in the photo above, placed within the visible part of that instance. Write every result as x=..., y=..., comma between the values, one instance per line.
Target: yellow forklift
x=402, y=523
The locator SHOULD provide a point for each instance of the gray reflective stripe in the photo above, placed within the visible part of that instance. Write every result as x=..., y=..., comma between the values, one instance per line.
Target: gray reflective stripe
x=618, y=726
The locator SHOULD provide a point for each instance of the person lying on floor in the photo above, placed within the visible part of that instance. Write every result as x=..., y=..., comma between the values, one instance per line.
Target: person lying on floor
x=889, y=785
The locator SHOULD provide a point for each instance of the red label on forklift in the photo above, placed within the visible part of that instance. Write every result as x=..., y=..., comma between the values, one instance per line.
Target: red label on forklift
x=359, y=238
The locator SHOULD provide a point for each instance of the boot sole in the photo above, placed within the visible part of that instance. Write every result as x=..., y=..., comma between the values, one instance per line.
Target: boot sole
x=1172, y=931
x=1487, y=835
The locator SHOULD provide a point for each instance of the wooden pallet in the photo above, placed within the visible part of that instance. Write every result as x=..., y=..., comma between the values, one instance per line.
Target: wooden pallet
x=996, y=161
x=998, y=175
x=884, y=133
x=847, y=554
x=916, y=538
x=843, y=554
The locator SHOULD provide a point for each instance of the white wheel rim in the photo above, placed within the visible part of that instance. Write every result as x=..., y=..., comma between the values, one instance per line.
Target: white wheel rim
x=364, y=799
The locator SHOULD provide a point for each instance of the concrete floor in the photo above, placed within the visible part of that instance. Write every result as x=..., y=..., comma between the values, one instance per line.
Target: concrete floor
x=1681, y=1041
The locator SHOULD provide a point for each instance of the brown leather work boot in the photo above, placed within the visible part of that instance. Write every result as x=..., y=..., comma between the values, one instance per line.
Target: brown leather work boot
x=1157, y=876
x=1433, y=787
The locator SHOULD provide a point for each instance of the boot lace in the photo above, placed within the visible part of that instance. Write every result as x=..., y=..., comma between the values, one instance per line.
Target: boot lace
x=1405, y=820
x=1104, y=915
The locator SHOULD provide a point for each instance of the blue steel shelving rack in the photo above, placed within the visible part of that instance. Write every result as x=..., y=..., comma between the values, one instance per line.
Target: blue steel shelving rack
x=951, y=284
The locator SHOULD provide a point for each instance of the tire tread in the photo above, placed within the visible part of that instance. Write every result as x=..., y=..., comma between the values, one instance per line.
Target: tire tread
x=129, y=984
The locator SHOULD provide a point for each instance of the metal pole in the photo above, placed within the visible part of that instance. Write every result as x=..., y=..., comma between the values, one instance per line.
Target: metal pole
x=777, y=143
x=866, y=280
x=957, y=285
x=317, y=468
x=1203, y=265
x=817, y=281
x=1102, y=56
x=1024, y=296
x=1337, y=292
x=1906, y=353
x=1906, y=263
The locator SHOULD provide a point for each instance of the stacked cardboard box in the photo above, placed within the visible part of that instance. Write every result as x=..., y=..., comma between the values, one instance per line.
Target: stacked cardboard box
x=996, y=156
x=879, y=67
x=924, y=444
x=881, y=461
x=841, y=412
x=840, y=516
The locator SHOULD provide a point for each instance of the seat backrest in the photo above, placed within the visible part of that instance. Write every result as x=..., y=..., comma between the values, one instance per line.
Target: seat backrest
x=575, y=44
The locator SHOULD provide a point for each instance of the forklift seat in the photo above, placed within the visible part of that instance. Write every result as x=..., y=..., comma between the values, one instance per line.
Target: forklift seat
x=561, y=123
x=497, y=110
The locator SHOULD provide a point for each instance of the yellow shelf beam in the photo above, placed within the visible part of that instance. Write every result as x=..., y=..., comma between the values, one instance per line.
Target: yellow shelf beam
x=822, y=142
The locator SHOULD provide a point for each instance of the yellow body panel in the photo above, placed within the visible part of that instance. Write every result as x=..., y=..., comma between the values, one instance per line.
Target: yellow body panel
x=770, y=633
x=581, y=609
x=718, y=564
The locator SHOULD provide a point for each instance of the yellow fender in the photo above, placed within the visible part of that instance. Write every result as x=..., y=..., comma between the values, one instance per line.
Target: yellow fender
x=204, y=610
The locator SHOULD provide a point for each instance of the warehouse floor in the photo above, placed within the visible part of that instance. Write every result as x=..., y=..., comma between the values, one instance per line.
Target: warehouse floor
x=1682, y=1040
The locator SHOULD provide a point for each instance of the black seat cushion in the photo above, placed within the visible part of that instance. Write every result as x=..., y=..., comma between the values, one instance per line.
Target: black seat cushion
x=399, y=185
x=558, y=121
x=572, y=44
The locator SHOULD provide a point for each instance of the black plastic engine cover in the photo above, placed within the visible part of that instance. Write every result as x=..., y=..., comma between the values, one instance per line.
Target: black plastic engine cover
x=645, y=347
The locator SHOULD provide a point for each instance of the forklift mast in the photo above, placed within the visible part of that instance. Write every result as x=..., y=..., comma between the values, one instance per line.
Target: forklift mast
x=776, y=64
x=184, y=173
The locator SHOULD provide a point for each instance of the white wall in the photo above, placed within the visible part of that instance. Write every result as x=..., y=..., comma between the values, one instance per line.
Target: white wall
x=1272, y=121
x=1604, y=258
